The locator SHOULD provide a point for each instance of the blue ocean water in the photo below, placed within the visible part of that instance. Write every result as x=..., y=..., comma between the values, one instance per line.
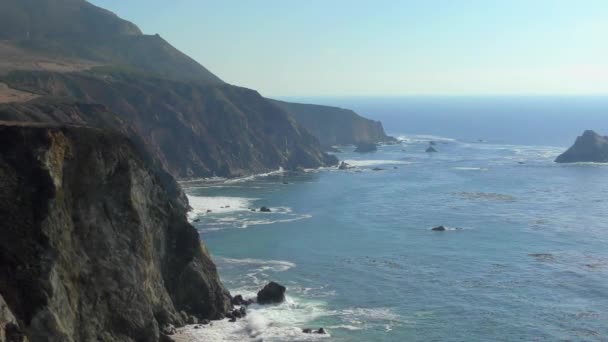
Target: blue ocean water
x=524, y=257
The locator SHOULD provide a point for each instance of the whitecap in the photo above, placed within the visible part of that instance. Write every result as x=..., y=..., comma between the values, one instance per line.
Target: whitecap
x=275, y=265
x=217, y=204
x=418, y=138
x=283, y=322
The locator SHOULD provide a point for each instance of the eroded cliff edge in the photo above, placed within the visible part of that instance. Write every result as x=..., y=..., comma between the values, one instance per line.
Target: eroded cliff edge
x=92, y=246
x=335, y=126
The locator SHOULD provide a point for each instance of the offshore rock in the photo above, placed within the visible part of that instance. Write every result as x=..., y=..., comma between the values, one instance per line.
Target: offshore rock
x=589, y=147
x=271, y=293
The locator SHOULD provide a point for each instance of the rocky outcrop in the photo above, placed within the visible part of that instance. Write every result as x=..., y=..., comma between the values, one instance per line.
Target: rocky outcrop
x=193, y=129
x=344, y=166
x=272, y=293
x=92, y=245
x=589, y=147
x=336, y=126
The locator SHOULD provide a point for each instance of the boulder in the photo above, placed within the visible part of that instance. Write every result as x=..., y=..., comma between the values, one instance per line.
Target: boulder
x=320, y=331
x=168, y=329
x=272, y=293
x=237, y=300
x=366, y=147
x=344, y=166
x=265, y=209
x=589, y=147
x=439, y=229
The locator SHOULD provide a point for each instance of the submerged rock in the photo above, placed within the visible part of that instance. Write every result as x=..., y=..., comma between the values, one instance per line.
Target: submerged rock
x=377, y=169
x=439, y=229
x=431, y=149
x=271, y=293
x=432, y=143
x=265, y=209
x=589, y=147
x=366, y=147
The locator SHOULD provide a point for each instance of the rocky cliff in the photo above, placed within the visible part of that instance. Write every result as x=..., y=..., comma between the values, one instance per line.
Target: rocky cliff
x=92, y=246
x=589, y=147
x=186, y=117
x=194, y=129
x=335, y=126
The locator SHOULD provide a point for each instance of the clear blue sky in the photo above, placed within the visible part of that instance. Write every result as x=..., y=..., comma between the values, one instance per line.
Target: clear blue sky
x=352, y=47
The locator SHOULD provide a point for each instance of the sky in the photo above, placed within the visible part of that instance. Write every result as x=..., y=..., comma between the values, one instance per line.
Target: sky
x=388, y=48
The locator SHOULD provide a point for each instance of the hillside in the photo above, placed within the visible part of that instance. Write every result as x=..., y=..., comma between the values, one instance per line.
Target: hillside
x=195, y=130
x=187, y=118
x=74, y=32
x=335, y=126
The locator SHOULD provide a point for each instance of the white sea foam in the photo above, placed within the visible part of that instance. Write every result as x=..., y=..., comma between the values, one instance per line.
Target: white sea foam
x=374, y=162
x=217, y=204
x=283, y=322
x=275, y=265
x=192, y=183
x=252, y=177
x=418, y=138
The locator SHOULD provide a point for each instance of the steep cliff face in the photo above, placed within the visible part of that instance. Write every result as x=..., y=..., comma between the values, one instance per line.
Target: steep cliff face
x=335, y=126
x=589, y=147
x=92, y=246
x=195, y=130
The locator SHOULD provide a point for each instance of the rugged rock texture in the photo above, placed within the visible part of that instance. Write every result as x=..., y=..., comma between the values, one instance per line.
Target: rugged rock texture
x=335, y=126
x=272, y=293
x=195, y=130
x=92, y=246
x=589, y=147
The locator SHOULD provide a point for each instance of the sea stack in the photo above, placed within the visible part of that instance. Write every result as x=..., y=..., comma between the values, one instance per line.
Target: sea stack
x=589, y=147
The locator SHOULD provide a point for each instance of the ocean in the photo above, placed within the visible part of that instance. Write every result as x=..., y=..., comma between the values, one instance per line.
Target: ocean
x=523, y=258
